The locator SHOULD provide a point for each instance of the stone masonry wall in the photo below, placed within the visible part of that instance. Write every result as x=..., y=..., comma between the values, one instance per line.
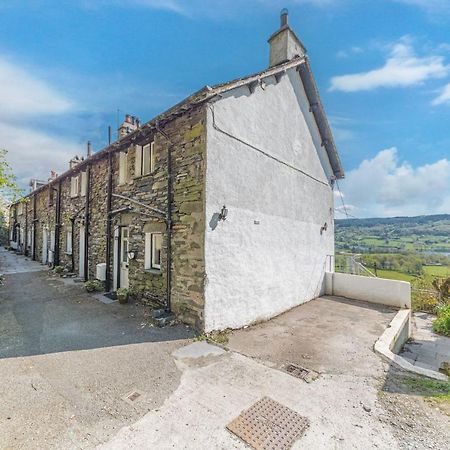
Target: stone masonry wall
x=187, y=136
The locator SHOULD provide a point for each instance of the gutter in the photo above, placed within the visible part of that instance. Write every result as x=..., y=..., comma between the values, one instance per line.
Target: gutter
x=56, y=258
x=320, y=117
x=168, y=221
x=34, y=229
x=86, y=224
x=108, y=224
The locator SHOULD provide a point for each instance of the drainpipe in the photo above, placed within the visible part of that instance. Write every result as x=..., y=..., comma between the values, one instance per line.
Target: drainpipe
x=72, y=258
x=25, y=252
x=86, y=223
x=56, y=258
x=108, y=223
x=168, y=220
x=34, y=228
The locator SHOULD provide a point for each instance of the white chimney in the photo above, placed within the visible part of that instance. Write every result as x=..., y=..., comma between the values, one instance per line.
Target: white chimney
x=130, y=124
x=284, y=44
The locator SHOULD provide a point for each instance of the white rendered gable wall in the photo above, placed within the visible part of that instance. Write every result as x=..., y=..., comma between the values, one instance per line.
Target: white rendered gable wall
x=269, y=254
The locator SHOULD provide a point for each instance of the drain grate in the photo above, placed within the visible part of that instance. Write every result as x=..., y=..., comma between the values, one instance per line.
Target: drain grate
x=269, y=425
x=296, y=371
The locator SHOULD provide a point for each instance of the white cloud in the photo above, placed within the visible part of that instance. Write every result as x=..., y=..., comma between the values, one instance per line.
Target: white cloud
x=24, y=98
x=443, y=97
x=402, y=68
x=21, y=94
x=385, y=186
x=33, y=154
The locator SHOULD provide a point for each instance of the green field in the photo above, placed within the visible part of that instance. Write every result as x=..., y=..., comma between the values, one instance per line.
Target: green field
x=394, y=275
x=437, y=271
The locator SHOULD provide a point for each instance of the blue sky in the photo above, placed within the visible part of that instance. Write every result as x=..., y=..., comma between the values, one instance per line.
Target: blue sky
x=383, y=70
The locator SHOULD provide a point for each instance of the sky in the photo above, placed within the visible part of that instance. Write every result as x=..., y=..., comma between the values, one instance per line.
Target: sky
x=70, y=68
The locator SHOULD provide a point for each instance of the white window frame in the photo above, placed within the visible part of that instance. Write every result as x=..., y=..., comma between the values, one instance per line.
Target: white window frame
x=74, y=186
x=69, y=243
x=83, y=187
x=145, y=159
x=123, y=167
x=150, y=251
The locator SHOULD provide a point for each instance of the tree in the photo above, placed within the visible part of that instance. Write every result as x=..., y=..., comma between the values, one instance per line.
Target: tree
x=8, y=187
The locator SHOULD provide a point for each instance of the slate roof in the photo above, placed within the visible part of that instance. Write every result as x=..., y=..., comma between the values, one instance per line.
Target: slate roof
x=209, y=92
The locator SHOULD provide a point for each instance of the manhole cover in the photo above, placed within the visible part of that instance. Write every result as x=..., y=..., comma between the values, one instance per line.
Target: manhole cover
x=133, y=396
x=269, y=425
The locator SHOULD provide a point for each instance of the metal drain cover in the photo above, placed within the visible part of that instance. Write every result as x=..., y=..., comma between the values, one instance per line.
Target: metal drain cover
x=269, y=425
x=300, y=372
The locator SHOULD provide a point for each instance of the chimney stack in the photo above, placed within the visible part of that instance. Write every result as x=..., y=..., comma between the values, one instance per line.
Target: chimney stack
x=89, y=149
x=130, y=124
x=284, y=43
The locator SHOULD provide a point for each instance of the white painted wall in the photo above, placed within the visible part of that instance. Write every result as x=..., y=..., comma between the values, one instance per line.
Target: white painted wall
x=268, y=255
x=370, y=289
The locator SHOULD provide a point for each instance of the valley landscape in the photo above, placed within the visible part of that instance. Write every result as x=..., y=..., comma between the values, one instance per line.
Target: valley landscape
x=414, y=249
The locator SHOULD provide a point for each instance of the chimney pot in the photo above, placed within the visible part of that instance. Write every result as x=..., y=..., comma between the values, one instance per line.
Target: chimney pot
x=284, y=17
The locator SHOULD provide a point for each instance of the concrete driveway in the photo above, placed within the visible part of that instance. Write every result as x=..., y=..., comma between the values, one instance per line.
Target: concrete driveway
x=68, y=361
x=80, y=374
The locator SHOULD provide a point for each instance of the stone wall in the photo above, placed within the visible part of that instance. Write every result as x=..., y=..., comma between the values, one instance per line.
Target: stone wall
x=187, y=137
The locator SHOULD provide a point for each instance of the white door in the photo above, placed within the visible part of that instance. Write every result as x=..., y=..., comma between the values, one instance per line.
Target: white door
x=44, y=246
x=124, y=257
x=81, y=253
x=51, y=253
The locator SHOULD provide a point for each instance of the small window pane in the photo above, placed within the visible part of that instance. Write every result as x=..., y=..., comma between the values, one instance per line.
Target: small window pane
x=156, y=250
x=146, y=160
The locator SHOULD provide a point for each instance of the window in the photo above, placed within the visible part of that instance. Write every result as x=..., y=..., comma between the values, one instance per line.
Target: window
x=83, y=184
x=123, y=167
x=74, y=186
x=145, y=159
x=153, y=244
x=50, y=196
x=69, y=243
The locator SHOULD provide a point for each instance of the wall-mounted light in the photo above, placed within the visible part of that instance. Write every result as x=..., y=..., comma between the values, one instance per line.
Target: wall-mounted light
x=324, y=228
x=223, y=213
x=131, y=255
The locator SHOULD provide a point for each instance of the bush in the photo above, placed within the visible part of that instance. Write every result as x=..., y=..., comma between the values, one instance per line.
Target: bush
x=94, y=286
x=122, y=295
x=58, y=269
x=441, y=324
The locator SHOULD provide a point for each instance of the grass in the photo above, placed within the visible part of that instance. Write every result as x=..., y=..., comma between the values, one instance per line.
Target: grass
x=394, y=275
x=432, y=389
x=437, y=271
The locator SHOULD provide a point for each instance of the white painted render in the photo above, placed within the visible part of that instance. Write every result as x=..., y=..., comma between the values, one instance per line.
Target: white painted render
x=370, y=289
x=269, y=255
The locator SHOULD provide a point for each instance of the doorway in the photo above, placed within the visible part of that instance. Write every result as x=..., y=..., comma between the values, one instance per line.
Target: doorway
x=121, y=261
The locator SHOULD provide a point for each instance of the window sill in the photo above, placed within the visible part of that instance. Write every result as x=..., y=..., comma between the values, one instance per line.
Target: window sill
x=138, y=177
x=154, y=271
x=68, y=253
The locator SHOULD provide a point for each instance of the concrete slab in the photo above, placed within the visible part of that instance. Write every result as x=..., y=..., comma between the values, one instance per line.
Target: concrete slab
x=426, y=349
x=11, y=262
x=329, y=334
x=198, y=350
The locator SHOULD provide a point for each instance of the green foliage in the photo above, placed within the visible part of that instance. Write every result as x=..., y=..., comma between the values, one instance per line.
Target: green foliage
x=8, y=186
x=441, y=324
x=58, y=269
x=94, y=286
x=122, y=295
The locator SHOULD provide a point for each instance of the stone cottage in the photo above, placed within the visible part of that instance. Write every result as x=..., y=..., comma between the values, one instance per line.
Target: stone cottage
x=220, y=208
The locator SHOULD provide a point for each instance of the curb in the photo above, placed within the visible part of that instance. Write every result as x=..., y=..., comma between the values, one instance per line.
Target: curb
x=393, y=339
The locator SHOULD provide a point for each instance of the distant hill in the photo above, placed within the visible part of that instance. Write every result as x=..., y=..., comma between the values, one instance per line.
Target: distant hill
x=391, y=220
x=394, y=234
